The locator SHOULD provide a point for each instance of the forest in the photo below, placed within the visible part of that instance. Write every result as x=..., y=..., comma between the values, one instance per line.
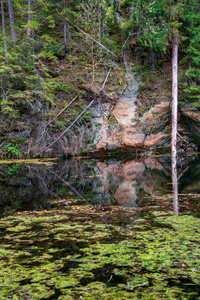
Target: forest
x=99, y=141
x=54, y=51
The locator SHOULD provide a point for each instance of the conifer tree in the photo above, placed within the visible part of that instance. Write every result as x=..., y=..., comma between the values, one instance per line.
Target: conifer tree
x=190, y=25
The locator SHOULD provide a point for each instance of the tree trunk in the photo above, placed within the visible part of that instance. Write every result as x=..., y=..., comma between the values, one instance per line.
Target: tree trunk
x=174, y=95
x=29, y=33
x=65, y=27
x=100, y=26
x=12, y=22
x=174, y=119
x=3, y=26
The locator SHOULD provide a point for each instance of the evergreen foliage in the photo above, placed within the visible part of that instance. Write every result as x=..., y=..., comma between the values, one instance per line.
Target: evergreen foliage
x=191, y=25
x=45, y=34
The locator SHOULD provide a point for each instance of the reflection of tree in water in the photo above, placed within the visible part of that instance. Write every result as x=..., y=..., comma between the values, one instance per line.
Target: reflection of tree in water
x=81, y=175
x=130, y=181
x=190, y=181
x=107, y=183
x=22, y=190
x=126, y=183
x=32, y=186
x=175, y=183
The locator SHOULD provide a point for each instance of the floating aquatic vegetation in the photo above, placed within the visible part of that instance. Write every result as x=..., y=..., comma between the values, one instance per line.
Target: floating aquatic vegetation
x=57, y=256
x=41, y=161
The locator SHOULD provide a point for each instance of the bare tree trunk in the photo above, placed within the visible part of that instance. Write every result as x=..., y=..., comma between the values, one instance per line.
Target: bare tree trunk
x=65, y=27
x=3, y=26
x=99, y=17
x=12, y=21
x=174, y=95
x=174, y=119
x=29, y=33
x=100, y=24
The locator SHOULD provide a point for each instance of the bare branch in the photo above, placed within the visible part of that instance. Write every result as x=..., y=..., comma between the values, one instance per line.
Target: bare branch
x=106, y=79
x=69, y=126
x=91, y=38
x=61, y=111
x=181, y=137
x=129, y=37
x=55, y=118
x=71, y=187
x=182, y=173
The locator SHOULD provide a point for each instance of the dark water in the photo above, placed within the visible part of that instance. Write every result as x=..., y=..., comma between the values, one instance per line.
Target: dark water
x=100, y=229
x=140, y=183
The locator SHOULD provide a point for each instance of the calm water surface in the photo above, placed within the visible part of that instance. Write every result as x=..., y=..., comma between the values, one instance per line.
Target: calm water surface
x=100, y=229
x=138, y=183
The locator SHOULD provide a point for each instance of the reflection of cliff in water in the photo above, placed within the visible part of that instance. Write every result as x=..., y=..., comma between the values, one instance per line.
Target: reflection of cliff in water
x=128, y=182
x=124, y=183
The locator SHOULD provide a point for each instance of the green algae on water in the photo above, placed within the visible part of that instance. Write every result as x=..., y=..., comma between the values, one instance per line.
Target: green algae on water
x=52, y=257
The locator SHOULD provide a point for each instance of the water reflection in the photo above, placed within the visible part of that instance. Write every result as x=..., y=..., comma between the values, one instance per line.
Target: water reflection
x=175, y=183
x=137, y=183
x=129, y=181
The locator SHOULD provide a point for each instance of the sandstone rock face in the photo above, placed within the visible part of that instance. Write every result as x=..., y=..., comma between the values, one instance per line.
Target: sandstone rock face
x=155, y=139
x=124, y=113
x=190, y=112
x=110, y=137
x=132, y=137
x=123, y=128
x=156, y=117
x=118, y=130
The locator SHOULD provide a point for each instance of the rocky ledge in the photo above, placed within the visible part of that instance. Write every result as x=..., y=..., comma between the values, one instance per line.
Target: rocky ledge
x=122, y=128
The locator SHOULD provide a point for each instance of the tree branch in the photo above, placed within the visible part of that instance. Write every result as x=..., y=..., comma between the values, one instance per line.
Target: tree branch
x=91, y=38
x=69, y=126
x=128, y=38
x=55, y=118
x=105, y=80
